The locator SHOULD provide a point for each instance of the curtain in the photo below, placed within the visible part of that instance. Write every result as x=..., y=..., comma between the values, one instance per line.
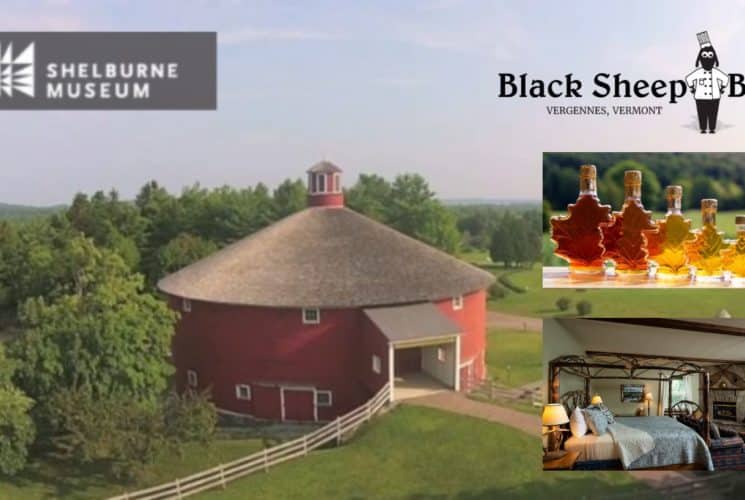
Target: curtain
x=662, y=399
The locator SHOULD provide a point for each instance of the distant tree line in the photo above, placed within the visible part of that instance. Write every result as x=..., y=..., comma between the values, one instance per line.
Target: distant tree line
x=512, y=236
x=702, y=175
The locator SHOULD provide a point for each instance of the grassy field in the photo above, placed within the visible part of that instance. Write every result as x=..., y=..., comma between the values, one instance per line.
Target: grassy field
x=424, y=453
x=48, y=478
x=513, y=358
x=541, y=302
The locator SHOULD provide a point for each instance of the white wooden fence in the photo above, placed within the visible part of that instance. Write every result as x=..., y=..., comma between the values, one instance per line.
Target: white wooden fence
x=335, y=430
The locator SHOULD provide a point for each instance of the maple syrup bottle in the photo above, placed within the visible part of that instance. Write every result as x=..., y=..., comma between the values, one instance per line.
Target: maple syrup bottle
x=733, y=258
x=577, y=235
x=666, y=246
x=704, y=252
x=625, y=239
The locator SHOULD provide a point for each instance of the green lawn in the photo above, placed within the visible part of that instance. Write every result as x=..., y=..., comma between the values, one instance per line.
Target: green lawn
x=56, y=479
x=689, y=303
x=513, y=358
x=424, y=453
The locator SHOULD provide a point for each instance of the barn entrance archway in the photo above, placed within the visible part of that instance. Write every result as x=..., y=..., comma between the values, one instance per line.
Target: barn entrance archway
x=424, y=367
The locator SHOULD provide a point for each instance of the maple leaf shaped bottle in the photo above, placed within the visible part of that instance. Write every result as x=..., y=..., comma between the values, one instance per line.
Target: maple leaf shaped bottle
x=625, y=239
x=666, y=246
x=577, y=235
x=733, y=258
x=705, y=251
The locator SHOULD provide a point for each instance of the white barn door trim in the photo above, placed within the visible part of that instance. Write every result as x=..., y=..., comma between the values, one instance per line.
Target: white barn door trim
x=282, y=389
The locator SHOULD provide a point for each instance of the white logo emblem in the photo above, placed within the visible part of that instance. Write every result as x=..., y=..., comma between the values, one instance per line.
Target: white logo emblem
x=16, y=72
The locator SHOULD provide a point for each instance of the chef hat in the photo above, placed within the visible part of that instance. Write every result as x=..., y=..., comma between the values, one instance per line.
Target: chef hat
x=703, y=39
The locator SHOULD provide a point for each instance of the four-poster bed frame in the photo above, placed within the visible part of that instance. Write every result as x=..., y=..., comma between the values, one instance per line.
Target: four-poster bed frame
x=595, y=365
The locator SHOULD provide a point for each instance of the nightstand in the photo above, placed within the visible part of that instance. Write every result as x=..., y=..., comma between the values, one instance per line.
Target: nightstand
x=564, y=463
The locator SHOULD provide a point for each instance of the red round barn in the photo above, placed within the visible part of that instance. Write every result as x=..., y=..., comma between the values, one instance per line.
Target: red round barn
x=309, y=317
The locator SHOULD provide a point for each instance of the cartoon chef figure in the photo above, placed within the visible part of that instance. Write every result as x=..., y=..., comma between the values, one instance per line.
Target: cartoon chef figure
x=707, y=83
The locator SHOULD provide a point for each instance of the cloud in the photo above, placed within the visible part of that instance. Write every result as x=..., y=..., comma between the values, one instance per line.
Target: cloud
x=41, y=22
x=248, y=35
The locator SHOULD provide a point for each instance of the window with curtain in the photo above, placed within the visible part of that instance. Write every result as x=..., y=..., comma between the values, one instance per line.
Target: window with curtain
x=683, y=388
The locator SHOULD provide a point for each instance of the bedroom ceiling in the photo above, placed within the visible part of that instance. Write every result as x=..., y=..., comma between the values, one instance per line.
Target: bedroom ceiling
x=599, y=335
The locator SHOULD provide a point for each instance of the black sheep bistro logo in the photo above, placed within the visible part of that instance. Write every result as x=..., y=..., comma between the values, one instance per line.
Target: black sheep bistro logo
x=16, y=70
x=707, y=83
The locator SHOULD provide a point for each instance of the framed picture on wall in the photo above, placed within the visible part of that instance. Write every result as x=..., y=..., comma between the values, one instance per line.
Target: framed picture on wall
x=632, y=393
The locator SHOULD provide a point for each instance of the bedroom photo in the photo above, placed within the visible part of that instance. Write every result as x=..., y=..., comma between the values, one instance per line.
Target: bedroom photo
x=644, y=394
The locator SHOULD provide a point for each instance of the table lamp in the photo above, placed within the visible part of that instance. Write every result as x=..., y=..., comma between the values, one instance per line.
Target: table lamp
x=554, y=415
x=596, y=400
x=648, y=399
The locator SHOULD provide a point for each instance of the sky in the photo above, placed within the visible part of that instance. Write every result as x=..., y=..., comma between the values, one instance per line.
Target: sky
x=376, y=87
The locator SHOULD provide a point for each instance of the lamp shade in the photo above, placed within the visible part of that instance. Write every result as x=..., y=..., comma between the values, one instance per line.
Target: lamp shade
x=596, y=400
x=554, y=414
x=648, y=396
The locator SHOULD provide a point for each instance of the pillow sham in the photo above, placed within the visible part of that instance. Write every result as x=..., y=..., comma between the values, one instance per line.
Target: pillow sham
x=596, y=421
x=606, y=411
x=577, y=423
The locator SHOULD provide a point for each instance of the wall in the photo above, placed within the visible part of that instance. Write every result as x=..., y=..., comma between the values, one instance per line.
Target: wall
x=229, y=345
x=472, y=320
x=557, y=342
x=372, y=342
x=442, y=371
x=610, y=391
x=271, y=347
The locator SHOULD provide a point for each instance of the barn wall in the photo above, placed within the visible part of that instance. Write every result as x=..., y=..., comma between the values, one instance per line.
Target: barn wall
x=229, y=345
x=472, y=319
x=270, y=347
x=442, y=371
x=373, y=342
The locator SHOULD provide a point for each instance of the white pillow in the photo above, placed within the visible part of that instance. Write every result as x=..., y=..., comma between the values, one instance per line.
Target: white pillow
x=577, y=423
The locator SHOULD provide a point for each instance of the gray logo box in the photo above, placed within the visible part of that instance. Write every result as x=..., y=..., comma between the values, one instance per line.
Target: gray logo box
x=108, y=70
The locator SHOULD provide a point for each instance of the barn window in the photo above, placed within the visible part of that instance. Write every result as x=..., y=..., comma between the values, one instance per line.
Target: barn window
x=242, y=391
x=458, y=302
x=376, y=364
x=186, y=305
x=323, y=398
x=191, y=378
x=441, y=355
x=321, y=183
x=311, y=316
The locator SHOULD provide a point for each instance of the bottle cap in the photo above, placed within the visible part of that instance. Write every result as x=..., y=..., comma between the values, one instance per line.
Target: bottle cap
x=588, y=172
x=673, y=192
x=709, y=204
x=632, y=178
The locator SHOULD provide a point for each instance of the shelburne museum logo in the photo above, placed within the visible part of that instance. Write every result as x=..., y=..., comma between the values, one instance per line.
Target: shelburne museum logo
x=706, y=83
x=16, y=70
x=108, y=70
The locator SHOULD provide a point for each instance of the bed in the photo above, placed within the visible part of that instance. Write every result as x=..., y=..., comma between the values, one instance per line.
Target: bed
x=642, y=443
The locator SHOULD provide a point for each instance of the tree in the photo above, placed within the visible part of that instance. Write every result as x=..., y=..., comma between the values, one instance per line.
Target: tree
x=612, y=185
x=370, y=196
x=584, y=307
x=124, y=435
x=414, y=211
x=103, y=333
x=546, y=221
x=180, y=252
x=16, y=427
x=563, y=303
x=289, y=197
x=702, y=187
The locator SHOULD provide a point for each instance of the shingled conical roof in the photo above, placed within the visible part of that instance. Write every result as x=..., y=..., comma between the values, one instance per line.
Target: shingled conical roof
x=328, y=258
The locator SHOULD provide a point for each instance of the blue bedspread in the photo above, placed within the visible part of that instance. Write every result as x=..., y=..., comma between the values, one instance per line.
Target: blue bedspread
x=674, y=443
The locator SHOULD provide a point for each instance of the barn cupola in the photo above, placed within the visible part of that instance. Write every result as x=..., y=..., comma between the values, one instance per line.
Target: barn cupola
x=324, y=185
